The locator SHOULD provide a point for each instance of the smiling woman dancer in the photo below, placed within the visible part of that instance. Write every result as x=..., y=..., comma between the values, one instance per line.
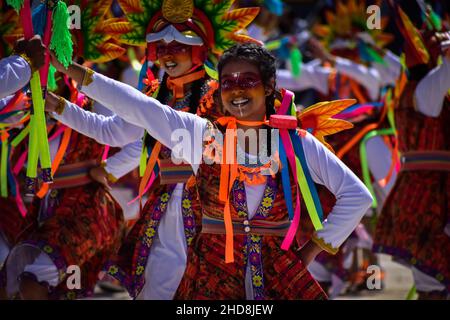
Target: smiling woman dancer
x=247, y=221
x=152, y=259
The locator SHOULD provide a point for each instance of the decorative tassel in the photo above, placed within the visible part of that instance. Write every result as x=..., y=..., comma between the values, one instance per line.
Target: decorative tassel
x=61, y=41
x=16, y=4
x=51, y=84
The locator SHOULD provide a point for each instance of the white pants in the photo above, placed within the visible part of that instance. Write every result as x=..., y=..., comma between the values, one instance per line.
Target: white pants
x=425, y=282
x=26, y=258
x=168, y=255
x=4, y=250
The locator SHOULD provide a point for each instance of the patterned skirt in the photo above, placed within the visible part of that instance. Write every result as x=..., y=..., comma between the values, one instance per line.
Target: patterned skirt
x=81, y=226
x=128, y=265
x=207, y=275
x=11, y=221
x=412, y=222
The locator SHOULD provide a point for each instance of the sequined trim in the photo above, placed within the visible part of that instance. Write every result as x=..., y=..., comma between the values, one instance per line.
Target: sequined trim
x=325, y=246
x=88, y=77
x=61, y=106
x=109, y=176
x=28, y=60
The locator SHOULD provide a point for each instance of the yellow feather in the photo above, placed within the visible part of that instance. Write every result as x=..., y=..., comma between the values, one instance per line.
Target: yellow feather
x=243, y=16
x=320, y=116
x=131, y=6
x=110, y=51
x=328, y=109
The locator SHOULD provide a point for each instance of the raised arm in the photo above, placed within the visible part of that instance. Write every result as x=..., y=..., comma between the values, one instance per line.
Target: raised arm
x=159, y=120
x=124, y=161
x=111, y=130
x=368, y=77
x=15, y=73
x=390, y=70
x=352, y=197
x=313, y=76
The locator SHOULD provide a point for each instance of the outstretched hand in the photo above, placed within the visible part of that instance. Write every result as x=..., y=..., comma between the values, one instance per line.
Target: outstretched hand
x=317, y=50
x=51, y=102
x=308, y=252
x=74, y=70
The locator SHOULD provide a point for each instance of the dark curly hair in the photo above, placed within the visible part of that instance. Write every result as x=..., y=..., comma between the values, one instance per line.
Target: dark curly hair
x=262, y=59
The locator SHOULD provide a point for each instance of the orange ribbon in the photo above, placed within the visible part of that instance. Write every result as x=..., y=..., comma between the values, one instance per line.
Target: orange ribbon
x=228, y=174
x=57, y=161
x=148, y=171
x=177, y=84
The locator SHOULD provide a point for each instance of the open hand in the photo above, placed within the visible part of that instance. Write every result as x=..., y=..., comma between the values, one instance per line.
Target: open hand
x=308, y=252
x=51, y=102
x=100, y=175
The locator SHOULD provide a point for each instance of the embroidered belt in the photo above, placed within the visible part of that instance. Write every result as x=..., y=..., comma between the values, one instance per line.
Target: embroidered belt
x=171, y=173
x=258, y=227
x=73, y=175
x=426, y=160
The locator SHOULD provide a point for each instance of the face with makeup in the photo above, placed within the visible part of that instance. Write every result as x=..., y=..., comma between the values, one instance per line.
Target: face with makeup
x=175, y=58
x=242, y=91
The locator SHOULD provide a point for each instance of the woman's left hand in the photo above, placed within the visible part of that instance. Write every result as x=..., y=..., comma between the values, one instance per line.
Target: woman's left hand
x=308, y=252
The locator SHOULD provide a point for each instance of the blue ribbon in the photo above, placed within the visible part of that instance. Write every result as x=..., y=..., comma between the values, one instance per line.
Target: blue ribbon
x=299, y=152
x=285, y=181
x=142, y=74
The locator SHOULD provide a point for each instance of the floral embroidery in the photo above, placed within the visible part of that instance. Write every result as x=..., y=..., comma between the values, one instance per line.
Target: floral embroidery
x=257, y=281
x=186, y=203
x=267, y=202
x=165, y=197
x=139, y=270
x=113, y=270
x=150, y=232
x=252, y=249
x=48, y=249
x=242, y=213
x=188, y=217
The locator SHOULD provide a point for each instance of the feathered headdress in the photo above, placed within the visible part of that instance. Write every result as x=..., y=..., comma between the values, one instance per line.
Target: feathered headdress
x=346, y=28
x=9, y=29
x=209, y=26
x=95, y=39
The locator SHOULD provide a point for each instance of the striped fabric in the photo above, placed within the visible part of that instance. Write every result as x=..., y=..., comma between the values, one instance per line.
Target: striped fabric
x=73, y=175
x=259, y=227
x=171, y=173
x=426, y=160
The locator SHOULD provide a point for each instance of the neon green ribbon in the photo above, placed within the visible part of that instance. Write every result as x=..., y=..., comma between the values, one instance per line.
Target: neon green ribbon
x=411, y=293
x=22, y=135
x=4, y=165
x=307, y=196
x=364, y=163
x=304, y=188
x=39, y=147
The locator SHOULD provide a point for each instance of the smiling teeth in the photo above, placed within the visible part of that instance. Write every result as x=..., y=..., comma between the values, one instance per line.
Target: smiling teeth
x=170, y=64
x=239, y=101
